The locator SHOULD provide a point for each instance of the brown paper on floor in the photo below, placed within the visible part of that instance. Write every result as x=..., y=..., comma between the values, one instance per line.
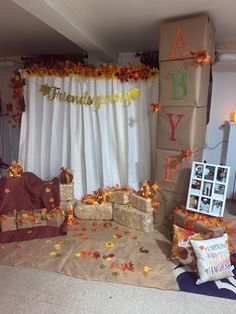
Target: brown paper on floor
x=171, y=172
x=194, y=34
x=168, y=202
x=181, y=128
x=83, y=253
x=184, y=83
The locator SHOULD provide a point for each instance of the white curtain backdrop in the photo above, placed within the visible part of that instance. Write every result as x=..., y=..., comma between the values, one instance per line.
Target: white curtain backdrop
x=114, y=145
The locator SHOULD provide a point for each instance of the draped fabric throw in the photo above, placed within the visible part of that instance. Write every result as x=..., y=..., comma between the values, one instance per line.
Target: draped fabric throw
x=106, y=145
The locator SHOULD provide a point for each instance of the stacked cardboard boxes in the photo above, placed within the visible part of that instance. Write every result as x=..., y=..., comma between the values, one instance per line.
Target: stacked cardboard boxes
x=183, y=98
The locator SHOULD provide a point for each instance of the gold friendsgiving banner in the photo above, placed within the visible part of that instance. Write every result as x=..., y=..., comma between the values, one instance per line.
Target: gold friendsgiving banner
x=55, y=93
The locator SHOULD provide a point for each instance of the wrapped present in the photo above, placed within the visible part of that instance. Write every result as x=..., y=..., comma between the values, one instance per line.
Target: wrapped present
x=179, y=39
x=55, y=217
x=168, y=203
x=133, y=218
x=67, y=192
x=8, y=222
x=95, y=211
x=173, y=169
x=181, y=128
x=182, y=220
x=30, y=219
x=183, y=83
x=144, y=204
x=120, y=197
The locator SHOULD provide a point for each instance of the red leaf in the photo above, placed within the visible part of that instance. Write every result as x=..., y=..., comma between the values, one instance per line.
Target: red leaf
x=96, y=255
x=107, y=225
x=131, y=266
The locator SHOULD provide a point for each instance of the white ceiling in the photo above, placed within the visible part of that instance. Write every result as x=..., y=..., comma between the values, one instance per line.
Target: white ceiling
x=103, y=28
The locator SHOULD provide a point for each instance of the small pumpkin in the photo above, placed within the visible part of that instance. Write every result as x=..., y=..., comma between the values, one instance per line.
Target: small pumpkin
x=65, y=176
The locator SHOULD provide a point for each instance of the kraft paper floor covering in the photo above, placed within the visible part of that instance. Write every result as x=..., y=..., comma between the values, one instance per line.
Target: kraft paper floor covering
x=101, y=251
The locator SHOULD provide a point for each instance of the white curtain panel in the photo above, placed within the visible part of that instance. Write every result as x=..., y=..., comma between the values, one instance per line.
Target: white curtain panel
x=113, y=145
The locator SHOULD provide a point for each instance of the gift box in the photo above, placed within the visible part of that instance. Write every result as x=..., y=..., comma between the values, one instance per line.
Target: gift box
x=95, y=211
x=179, y=38
x=168, y=203
x=184, y=83
x=55, y=217
x=67, y=192
x=8, y=223
x=183, y=221
x=172, y=171
x=120, y=197
x=181, y=128
x=133, y=218
x=30, y=219
x=143, y=204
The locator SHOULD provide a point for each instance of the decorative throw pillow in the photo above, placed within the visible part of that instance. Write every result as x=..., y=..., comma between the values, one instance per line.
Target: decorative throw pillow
x=213, y=259
x=182, y=250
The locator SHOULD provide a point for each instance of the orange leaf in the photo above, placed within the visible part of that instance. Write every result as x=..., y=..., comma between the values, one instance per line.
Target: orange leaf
x=117, y=228
x=85, y=253
x=124, y=266
x=111, y=266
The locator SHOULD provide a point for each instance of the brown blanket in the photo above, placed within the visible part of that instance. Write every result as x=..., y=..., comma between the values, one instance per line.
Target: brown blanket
x=28, y=192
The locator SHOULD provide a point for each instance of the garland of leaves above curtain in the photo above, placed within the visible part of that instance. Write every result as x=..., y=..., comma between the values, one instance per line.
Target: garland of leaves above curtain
x=64, y=68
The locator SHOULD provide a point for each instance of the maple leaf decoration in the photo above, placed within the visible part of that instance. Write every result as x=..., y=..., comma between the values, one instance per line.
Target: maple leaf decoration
x=142, y=250
x=155, y=107
x=96, y=255
x=125, y=266
x=202, y=247
x=201, y=56
x=45, y=89
x=185, y=153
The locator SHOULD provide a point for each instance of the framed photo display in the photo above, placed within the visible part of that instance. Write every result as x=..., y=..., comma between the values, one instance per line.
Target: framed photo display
x=208, y=189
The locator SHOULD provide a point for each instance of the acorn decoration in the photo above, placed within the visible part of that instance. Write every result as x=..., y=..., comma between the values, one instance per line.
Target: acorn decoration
x=65, y=176
x=15, y=169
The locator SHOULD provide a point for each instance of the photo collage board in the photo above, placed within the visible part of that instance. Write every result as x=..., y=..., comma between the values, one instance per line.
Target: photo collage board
x=208, y=189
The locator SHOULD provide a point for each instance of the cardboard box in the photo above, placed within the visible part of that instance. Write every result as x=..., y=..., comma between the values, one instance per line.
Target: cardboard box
x=178, y=38
x=7, y=223
x=181, y=220
x=96, y=211
x=67, y=192
x=171, y=172
x=30, y=219
x=120, y=197
x=184, y=83
x=143, y=204
x=168, y=203
x=181, y=128
x=133, y=218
